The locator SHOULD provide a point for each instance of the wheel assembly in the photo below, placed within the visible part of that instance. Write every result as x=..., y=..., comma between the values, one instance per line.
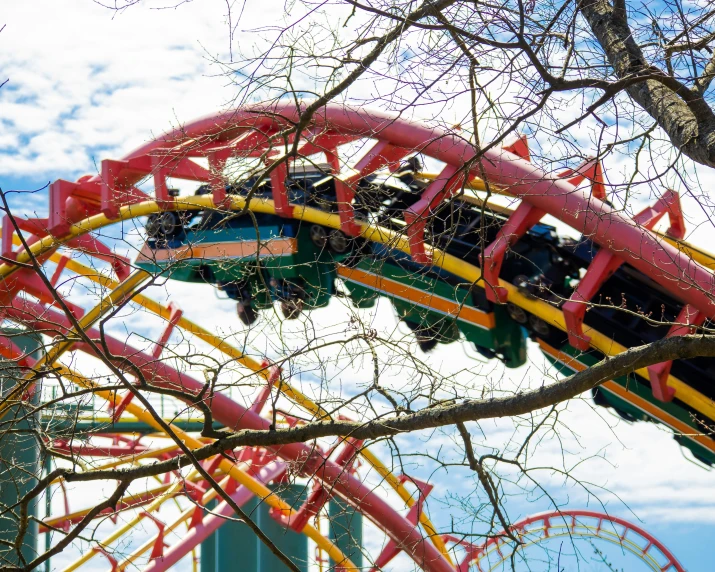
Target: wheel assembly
x=169, y=224
x=338, y=241
x=318, y=235
x=246, y=313
x=517, y=314
x=292, y=308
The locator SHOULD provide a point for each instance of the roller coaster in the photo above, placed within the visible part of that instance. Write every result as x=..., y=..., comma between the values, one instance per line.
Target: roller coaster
x=298, y=226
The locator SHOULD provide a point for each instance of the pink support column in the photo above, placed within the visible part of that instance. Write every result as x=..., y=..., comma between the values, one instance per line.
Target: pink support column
x=202, y=530
x=234, y=416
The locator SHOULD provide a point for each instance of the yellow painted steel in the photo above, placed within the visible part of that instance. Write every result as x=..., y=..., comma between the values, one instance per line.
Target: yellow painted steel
x=241, y=477
x=409, y=499
x=203, y=334
x=373, y=233
x=107, y=303
x=126, y=527
x=128, y=459
x=475, y=183
x=697, y=254
x=54, y=521
x=553, y=316
x=293, y=394
x=183, y=517
x=165, y=493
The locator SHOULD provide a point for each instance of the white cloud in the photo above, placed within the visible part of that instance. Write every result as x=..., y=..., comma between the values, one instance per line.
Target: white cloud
x=86, y=83
x=88, y=77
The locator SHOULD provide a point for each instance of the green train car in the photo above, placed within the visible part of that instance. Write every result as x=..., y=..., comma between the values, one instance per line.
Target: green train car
x=284, y=262
x=435, y=305
x=256, y=260
x=263, y=259
x=632, y=399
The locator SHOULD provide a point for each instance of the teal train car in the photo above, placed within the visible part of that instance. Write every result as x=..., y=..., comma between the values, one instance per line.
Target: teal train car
x=434, y=304
x=632, y=399
x=256, y=260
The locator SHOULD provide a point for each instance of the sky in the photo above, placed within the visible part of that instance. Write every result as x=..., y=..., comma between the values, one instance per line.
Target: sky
x=86, y=82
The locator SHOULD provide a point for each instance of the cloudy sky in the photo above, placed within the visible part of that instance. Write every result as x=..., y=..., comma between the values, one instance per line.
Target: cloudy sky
x=86, y=82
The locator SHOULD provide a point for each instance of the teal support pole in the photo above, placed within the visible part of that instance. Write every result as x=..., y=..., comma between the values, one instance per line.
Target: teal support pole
x=56, y=426
x=19, y=458
x=346, y=530
x=234, y=546
x=48, y=512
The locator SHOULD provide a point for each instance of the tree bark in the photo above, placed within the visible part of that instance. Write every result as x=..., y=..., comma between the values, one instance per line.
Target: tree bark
x=682, y=113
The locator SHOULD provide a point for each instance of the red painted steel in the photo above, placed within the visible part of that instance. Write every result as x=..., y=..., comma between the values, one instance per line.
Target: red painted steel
x=247, y=132
x=605, y=264
x=391, y=549
x=522, y=219
x=112, y=560
x=449, y=181
x=278, y=188
x=685, y=324
x=263, y=395
x=520, y=148
x=235, y=416
x=608, y=227
x=602, y=267
x=157, y=550
x=591, y=170
x=474, y=552
x=99, y=450
x=319, y=494
x=209, y=524
x=67, y=520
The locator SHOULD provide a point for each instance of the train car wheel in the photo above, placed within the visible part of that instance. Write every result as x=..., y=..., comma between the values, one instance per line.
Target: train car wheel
x=246, y=313
x=426, y=340
x=169, y=223
x=338, y=241
x=516, y=313
x=292, y=308
x=152, y=226
x=318, y=236
x=485, y=351
x=206, y=274
x=540, y=327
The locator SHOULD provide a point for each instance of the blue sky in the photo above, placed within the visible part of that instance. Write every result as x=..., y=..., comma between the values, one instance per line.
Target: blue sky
x=86, y=83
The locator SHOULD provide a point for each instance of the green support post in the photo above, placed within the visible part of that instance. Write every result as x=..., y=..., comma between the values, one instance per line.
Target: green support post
x=346, y=530
x=234, y=546
x=19, y=457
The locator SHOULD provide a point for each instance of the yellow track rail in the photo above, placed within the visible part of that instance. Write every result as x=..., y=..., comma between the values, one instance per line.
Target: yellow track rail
x=106, y=304
x=469, y=272
x=232, y=470
x=701, y=256
x=373, y=233
x=293, y=394
x=203, y=334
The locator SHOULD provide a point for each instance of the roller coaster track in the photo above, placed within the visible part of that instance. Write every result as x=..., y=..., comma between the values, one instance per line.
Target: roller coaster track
x=76, y=209
x=571, y=523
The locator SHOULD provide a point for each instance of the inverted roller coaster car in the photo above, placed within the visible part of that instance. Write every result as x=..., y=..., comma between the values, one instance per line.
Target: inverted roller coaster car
x=433, y=303
x=254, y=260
x=612, y=271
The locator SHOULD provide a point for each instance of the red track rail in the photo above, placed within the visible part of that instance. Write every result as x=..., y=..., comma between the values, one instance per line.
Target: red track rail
x=573, y=520
x=233, y=415
x=247, y=132
x=609, y=228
